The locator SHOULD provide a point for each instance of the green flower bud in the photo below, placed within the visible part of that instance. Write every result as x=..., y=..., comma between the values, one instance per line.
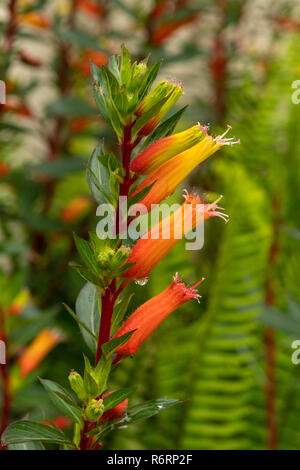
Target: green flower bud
x=120, y=256
x=94, y=410
x=105, y=257
x=77, y=385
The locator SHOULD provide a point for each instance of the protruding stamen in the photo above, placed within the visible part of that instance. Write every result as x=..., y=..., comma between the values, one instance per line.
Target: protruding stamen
x=221, y=140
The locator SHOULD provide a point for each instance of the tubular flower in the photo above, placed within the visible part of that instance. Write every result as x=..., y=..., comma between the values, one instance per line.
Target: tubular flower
x=164, y=149
x=167, y=92
x=34, y=19
x=161, y=238
x=74, y=210
x=20, y=302
x=45, y=341
x=150, y=315
x=168, y=176
x=115, y=412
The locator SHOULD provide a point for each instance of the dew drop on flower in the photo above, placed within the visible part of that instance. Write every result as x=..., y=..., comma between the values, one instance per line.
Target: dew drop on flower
x=142, y=282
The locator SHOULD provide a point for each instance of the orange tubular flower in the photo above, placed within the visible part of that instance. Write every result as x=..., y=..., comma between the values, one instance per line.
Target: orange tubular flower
x=90, y=7
x=19, y=302
x=45, y=341
x=34, y=19
x=156, y=243
x=164, y=149
x=84, y=64
x=167, y=177
x=75, y=209
x=150, y=315
x=116, y=412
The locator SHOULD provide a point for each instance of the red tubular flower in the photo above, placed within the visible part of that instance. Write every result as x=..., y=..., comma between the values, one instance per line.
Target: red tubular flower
x=164, y=149
x=167, y=177
x=4, y=169
x=115, y=412
x=166, y=29
x=46, y=340
x=90, y=7
x=61, y=422
x=150, y=315
x=156, y=243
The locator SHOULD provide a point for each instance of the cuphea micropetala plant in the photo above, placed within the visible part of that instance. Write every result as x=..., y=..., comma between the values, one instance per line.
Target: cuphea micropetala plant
x=134, y=107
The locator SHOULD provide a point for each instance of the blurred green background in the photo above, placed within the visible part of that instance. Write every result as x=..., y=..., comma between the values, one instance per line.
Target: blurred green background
x=229, y=357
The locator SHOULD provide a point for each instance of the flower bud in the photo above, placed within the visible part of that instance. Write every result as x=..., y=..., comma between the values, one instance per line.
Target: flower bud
x=77, y=385
x=166, y=91
x=94, y=410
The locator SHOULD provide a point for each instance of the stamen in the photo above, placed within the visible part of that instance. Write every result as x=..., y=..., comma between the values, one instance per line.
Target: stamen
x=221, y=140
x=214, y=210
x=204, y=129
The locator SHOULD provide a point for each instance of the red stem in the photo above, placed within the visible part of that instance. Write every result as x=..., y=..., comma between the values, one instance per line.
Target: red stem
x=111, y=293
x=270, y=343
x=11, y=28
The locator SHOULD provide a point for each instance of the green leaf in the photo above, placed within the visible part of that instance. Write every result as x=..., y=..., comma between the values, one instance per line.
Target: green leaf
x=165, y=128
x=119, y=313
x=80, y=323
x=59, y=168
x=102, y=371
x=87, y=255
x=71, y=107
x=148, y=80
x=90, y=385
x=88, y=311
x=24, y=431
x=125, y=70
x=79, y=37
x=117, y=397
x=112, y=345
x=140, y=195
x=136, y=413
x=89, y=276
x=101, y=174
x=150, y=408
x=63, y=400
x=27, y=446
x=114, y=66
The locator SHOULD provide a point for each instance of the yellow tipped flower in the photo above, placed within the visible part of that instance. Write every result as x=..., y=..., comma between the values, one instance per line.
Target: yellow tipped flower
x=164, y=149
x=170, y=174
x=46, y=340
x=161, y=238
x=164, y=89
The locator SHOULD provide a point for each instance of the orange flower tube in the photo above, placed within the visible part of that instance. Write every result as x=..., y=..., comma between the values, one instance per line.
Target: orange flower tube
x=75, y=209
x=164, y=149
x=34, y=19
x=45, y=341
x=151, y=314
x=167, y=177
x=161, y=238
